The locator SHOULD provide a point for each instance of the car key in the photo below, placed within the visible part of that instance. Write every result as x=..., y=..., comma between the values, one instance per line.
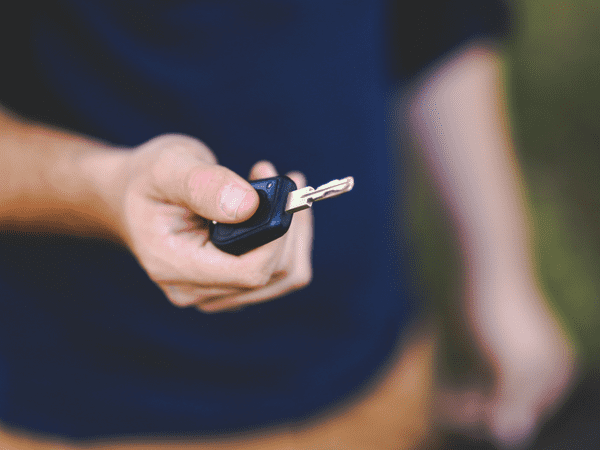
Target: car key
x=279, y=200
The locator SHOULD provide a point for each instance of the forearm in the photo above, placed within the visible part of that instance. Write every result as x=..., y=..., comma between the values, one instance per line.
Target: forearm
x=53, y=181
x=459, y=119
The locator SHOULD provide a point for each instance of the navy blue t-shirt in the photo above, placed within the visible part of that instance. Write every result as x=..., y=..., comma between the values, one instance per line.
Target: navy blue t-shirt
x=88, y=344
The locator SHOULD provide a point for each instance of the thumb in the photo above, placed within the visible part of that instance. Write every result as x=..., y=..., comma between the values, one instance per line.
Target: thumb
x=237, y=203
x=211, y=191
x=216, y=193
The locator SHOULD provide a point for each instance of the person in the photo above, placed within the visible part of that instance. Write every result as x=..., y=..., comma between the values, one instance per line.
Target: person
x=107, y=193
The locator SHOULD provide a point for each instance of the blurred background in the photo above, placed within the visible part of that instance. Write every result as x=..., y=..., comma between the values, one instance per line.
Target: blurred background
x=552, y=71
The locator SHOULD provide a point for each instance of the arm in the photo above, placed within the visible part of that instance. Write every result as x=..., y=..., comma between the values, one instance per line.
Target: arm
x=458, y=117
x=157, y=200
x=52, y=181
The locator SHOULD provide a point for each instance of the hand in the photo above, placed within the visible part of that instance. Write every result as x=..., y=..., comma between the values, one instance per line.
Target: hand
x=533, y=364
x=175, y=188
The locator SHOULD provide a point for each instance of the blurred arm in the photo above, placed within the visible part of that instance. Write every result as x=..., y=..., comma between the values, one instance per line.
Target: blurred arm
x=458, y=116
x=53, y=181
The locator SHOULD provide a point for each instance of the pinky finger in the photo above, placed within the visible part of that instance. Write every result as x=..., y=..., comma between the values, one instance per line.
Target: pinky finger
x=184, y=295
x=284, y=284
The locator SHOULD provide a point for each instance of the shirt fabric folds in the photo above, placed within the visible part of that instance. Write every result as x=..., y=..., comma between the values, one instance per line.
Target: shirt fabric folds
x=89, y=346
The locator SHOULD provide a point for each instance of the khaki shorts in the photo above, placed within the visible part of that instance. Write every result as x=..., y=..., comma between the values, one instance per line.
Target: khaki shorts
x=393, y=413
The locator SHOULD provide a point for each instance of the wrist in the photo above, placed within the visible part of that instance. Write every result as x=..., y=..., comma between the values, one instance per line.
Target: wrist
x=105, y=173
x=53, y=181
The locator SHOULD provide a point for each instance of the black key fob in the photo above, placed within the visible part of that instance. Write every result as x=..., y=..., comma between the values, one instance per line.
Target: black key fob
x=269, y=222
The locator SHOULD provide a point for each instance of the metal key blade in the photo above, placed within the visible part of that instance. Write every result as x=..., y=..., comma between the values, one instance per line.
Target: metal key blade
x=331, y=189
x=303, y=198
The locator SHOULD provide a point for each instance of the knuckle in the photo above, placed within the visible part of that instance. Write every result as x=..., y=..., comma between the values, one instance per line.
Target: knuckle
x=255, y=280
x=307, y=278
x=174, y=296
x=211, y=307
x=196, y=147
x=182, y=295
x=182, y=144
x=178, y=302
x=171, y=141
x=301, y=280
x=205, y=309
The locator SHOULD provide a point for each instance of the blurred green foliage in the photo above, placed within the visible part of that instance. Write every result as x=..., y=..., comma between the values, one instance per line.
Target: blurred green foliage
x=553, y=85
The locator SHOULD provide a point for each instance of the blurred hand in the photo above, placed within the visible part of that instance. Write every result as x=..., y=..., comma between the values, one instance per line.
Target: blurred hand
x=533, y=364
x=174, y=189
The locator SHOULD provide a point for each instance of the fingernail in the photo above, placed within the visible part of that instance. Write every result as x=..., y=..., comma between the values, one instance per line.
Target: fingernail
x=231, y=198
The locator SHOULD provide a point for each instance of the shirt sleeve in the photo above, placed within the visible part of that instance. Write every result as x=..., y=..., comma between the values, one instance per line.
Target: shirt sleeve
x=427, y=29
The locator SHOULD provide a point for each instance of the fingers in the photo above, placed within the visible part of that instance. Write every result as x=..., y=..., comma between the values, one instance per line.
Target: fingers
x=186, y=294
x=186, y=254
x=262, y=169
x=298, y=178
x=178, y=189
x=184, y=173
x=280, y=284
x=217, y=193
x=294, y=270
x=298, y=248
x=510, y=415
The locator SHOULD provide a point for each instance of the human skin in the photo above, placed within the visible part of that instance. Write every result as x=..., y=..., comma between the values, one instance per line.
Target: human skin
x=458, y=118
x=156, y=199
